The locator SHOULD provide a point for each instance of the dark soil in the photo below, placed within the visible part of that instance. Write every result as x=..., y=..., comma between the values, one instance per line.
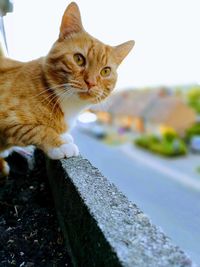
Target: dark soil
x=29, y=232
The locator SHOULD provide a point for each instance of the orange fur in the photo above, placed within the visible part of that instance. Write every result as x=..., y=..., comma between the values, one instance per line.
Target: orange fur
x=39, y=98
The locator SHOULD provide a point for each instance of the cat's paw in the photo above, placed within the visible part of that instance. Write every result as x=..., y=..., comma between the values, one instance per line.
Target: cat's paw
x=67, y=138
x=4, y=168
x=70, y=150
x=64, y=151
x=5, y=153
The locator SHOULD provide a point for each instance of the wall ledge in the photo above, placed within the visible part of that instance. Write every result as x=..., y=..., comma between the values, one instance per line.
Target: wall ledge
x=100, y=225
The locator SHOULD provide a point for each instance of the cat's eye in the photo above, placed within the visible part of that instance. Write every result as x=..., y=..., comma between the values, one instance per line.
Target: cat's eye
x=79, y=59
x=105, y=72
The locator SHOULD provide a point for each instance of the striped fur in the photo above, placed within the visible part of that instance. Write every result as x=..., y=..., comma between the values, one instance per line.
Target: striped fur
x=39, y=99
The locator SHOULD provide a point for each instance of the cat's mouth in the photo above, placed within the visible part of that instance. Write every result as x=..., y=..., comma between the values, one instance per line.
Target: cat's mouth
x=83, y=92
x=89, y=94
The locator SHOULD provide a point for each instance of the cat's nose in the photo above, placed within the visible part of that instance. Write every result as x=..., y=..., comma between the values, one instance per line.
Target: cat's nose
x=90, y=83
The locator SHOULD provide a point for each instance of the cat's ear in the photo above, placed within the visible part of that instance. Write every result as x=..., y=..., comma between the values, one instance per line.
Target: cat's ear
x=71, y=21
x=122, y=50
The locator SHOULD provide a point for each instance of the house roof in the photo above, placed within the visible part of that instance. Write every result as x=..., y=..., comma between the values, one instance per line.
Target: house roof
x=163, y=108
x=130, y=102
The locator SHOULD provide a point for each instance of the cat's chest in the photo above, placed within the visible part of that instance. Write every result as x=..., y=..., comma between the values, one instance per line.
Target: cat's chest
x=71, y=108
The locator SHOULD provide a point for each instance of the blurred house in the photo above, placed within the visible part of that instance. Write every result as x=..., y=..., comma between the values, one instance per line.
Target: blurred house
x=103, y=115
x=125, y=109
x=151, y=111
x=168, y=112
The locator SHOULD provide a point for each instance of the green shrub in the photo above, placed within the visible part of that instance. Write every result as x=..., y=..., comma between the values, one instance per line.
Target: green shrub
x=192, y=131
x=142, y=141
x=170, y=136
x=153, y=139
x=167, y=146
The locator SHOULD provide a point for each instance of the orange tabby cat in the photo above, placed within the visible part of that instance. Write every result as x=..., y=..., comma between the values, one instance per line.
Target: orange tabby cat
x=39, y=100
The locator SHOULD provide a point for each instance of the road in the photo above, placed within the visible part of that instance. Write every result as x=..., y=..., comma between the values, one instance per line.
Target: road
x=171, y=205
x=181, y=169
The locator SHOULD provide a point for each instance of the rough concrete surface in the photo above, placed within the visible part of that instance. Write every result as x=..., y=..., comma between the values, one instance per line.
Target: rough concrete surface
x=101, y=226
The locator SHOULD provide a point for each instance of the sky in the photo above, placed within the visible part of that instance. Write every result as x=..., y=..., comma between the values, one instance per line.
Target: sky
x=166, y=34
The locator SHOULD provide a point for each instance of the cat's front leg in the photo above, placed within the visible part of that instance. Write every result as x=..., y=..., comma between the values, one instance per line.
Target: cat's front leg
x=55, y=145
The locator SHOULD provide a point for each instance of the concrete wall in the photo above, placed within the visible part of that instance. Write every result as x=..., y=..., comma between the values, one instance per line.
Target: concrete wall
x=100, y=225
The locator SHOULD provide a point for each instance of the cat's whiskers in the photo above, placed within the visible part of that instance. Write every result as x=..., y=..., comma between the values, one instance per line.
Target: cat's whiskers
x=97, y=96
x=56, y=95
x=56, y=102
x=100, y=96
x=59, y=86
x=60, y=98
x=51, y=96
x=49, y=89
x=97, y=93
x=68, y=92
x=64, y=95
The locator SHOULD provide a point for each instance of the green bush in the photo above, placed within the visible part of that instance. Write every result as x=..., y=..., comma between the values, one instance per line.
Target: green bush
x=142, y=141
x=170, y=136
x=166, y=146
x=192, y=131
x=193, y=97
x=153, y=138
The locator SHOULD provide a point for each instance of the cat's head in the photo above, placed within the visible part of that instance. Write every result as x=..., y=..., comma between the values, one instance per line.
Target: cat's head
x=80, y=64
